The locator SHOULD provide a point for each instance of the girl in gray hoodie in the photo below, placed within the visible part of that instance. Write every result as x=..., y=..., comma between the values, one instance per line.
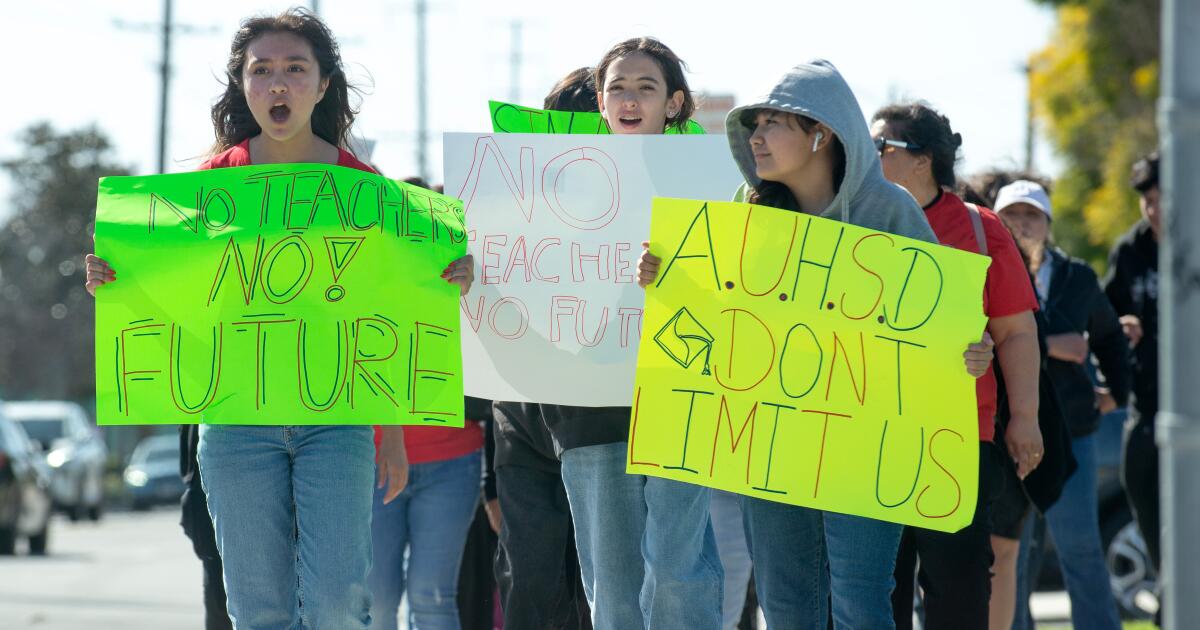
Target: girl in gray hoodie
x=806, y=147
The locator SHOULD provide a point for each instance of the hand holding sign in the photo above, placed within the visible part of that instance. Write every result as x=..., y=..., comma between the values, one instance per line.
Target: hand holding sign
x=979, y=356
x=461, y=272
x=98, y=273
x=647, y=266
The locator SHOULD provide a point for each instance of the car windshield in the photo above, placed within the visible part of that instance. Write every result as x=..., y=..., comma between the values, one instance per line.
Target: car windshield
x=155, y=453
x=163, y=455
x=44, y=430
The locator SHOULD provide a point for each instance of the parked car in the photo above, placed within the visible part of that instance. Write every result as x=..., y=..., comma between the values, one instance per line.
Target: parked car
x=73, y=449
x=152, y=476
x=25, y=504
x=1131, y=573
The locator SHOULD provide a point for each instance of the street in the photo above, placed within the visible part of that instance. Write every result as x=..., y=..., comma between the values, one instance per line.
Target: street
x=135, y=570
x=131, y=570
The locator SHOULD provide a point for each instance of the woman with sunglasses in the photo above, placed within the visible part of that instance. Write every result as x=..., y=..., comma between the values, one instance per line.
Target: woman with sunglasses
x=917, y=149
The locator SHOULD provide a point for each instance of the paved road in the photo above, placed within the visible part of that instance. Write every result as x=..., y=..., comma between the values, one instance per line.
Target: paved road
x=130, y=570
x=136, y=571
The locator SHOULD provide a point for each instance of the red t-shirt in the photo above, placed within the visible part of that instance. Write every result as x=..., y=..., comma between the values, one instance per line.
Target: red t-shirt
x=423, y=443
x=426, y=444
x=240, y=156
x=1007, y=290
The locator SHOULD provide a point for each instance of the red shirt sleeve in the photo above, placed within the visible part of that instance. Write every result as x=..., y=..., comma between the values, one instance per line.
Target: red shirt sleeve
x=1007, y=290
x=348, y=159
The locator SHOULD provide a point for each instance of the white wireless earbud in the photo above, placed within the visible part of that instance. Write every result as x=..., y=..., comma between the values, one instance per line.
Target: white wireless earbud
x=817, y=141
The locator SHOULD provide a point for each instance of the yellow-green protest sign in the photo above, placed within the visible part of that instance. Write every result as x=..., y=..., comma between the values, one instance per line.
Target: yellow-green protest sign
x=509, y=118
x=808, y=361
x=278, y=294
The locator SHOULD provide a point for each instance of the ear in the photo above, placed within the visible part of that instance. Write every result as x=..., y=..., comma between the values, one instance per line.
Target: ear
x=923, y=164
x=675, y=103
x=826, y=135
x=322, y=88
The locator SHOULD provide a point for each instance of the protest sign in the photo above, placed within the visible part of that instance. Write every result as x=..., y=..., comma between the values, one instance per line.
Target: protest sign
x=509, y=118
x=808, y=361
x=278, y=294
x=556, y=226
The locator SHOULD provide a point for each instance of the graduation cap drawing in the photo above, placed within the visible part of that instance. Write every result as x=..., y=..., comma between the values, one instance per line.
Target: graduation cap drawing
x=684, y=339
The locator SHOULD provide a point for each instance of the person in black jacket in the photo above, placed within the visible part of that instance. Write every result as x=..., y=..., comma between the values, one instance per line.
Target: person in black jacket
x=1080, y=322
x=536, y=564
x=1132, y=287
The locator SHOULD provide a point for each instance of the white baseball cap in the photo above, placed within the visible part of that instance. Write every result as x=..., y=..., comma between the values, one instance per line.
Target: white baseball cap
x=1023, y=191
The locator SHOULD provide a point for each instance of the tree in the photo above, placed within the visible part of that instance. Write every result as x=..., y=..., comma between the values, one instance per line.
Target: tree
x=47, y=319
x=1095, y=87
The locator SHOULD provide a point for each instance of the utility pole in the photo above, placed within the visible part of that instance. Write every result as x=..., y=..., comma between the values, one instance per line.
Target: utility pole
x=422, y=94
x=1178, y=422
x=1028, y=68
x=514, y=67
x=166, y=29
x=316, y=7
x=165, y=81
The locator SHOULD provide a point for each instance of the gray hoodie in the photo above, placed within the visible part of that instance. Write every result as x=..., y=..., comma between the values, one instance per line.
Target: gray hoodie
x=817, y=90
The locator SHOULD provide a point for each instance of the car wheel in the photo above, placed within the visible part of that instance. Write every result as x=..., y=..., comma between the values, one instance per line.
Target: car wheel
x=1131, y=572
x=8, y=541
x=94, y=512
x=37, y=542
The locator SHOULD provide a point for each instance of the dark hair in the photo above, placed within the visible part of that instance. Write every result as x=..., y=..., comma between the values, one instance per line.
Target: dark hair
x=777, y=194
x=1144, y=174
x=417, y=180
x=332, y=117
x=983, y=188
x=575, y=92
x=920, y=124
x=671, y=65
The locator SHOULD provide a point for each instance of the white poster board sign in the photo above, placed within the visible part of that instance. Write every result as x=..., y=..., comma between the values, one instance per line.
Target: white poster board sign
x=555, y=223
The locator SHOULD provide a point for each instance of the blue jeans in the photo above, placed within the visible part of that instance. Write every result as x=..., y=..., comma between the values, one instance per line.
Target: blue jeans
x=1073, y=521
x=291, y=507
x=646, y=546
x=804, y=559
x=429, y=520
x=726, y=513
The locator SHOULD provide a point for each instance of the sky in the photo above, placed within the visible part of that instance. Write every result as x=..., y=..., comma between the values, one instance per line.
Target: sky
x=81, y=62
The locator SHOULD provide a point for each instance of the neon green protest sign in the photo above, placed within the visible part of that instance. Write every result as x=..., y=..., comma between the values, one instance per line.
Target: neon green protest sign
x=278, y=294
x=509, y=118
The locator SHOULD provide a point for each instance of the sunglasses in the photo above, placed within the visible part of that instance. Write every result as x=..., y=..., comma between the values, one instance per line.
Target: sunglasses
x=881, y=145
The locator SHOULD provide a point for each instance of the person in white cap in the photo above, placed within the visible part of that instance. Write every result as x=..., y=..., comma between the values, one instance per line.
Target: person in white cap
x=1073, y=306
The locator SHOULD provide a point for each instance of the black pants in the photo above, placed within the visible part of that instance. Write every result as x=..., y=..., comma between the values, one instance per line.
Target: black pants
x=536, y=564
x=955, y=569
x=1139, y=475
x=215, y=615
x=476, y=581
x=198, y=527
